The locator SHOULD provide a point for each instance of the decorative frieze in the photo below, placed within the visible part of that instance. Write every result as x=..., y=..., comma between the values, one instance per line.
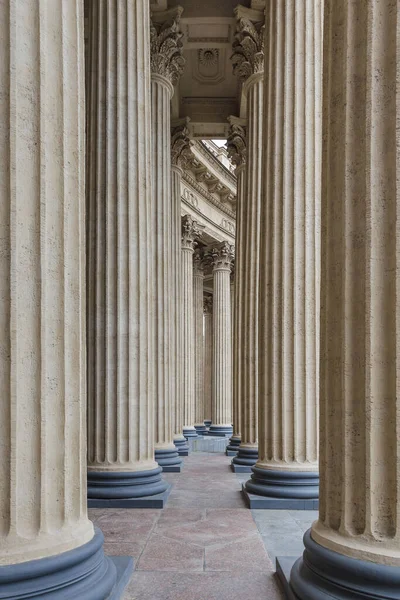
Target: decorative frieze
x=166, y=45
x=191, y=231
x=248, y=46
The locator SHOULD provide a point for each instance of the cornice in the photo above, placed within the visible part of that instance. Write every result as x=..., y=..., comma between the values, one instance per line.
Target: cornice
x=209, y=197
x=217, y=165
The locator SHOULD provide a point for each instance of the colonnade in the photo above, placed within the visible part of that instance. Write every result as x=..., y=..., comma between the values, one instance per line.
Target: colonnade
x=315, y=299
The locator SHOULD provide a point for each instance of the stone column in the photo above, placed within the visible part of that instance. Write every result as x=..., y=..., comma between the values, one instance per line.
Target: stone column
x=166, y=66
x=121, y=466
x=287, y=469
x=248, y=61
x=236, y=144
x=180, y=150
x=355, y=544
x=191, y=231
x=47, y=544
x=208, y=358
x=198, y=307
x=222, y=257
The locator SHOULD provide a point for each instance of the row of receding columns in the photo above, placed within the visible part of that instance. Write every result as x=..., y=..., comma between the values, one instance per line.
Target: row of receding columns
x=328, y=284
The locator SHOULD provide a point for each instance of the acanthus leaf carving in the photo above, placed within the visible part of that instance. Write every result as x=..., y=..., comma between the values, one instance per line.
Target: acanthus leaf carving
x=222, y=256
x=181, y=154
x=167, y=46
x=191, y=232
x=236, y=143
x=248, y=48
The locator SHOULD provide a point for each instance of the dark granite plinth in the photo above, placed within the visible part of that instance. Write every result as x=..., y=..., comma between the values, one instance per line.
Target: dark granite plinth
x=155, y=501
x=230, y=452
x=293, y=485
x=189, y=433
x=240, y=468
x=182, y=447
x=126, y=489
x=200, y=429
x=245, y=459
x=169, y=460
x=255, y=501
x=183, y=451
x=322, y=574
x=284, y=566
x=84, y=572
x=207, y=422
x=220, y=430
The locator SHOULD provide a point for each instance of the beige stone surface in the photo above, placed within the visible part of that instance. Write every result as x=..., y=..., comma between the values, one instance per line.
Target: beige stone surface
x=208, y=356
x=236, y=144
x=360, y=467
x=190, y=233
x=222, y=256
x=198, y=307
x=121, y=240
x=42, y=281
x=290, y=238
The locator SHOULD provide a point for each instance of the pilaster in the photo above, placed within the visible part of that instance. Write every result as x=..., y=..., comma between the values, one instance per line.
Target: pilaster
x=167, y=64
x=222, y=256
x=286, y=474
x=191, y=231
x=180, y=152
x=198, y=294
x=47, y=543
x=355, y=542
x=120, y=248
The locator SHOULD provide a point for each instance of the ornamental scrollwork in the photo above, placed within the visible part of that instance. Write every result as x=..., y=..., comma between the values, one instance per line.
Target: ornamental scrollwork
x=191, y=232
x=167, y=46
x=222, y=256
x=180, y=145
x=236, y=143
x=248, y=48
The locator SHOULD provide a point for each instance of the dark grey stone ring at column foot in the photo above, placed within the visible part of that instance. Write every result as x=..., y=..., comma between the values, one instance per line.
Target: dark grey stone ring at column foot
x=169, y=460
x=283, y=484
x=207, y=422
x=234, y=444
x=322, y=574
x=200, y=429
x=84, y=572
x=220, y=430
x=190, y=433
x=136, y=484
x=182, y=447
x=246, y=457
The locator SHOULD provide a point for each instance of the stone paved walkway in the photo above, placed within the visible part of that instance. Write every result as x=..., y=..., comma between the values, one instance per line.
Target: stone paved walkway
x=205, y=545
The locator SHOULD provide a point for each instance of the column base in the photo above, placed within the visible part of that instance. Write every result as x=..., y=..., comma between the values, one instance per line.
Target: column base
x=207, y=422
x=84, y=572
x=245, y=459
x=200, y=429
x=322, y=574
x=290, y=490
x=233, y=446
x=182, y=447
x=136, y=489
x=169, y=460
x=189, y=432
x=220, y=430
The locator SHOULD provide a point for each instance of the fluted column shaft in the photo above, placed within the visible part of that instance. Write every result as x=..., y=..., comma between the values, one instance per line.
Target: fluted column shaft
x=360, y=468
x=290, y=243
x=187, y=339
x=176, y=337
x=208, y=357
x=121, y=245
x=42, y=286
x=198, y=295
x=222, y=341
x=161, y=92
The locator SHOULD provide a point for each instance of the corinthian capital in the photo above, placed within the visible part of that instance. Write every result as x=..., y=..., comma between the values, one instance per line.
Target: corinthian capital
x=208, y=305
x=191, y=231
x=222, y=256
x=166, y=44
x=180, y=143
x=236, y=142
x=248, y=46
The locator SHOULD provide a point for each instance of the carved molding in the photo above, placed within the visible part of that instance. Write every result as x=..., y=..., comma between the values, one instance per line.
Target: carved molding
x=191, y=232
x=209, y=197
x=248, y=45
x=180, y=144
x=166, y=45
x=208, y=305
x=216, y=163
x=198, y=262
x=236, y=142
x=222, y=256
